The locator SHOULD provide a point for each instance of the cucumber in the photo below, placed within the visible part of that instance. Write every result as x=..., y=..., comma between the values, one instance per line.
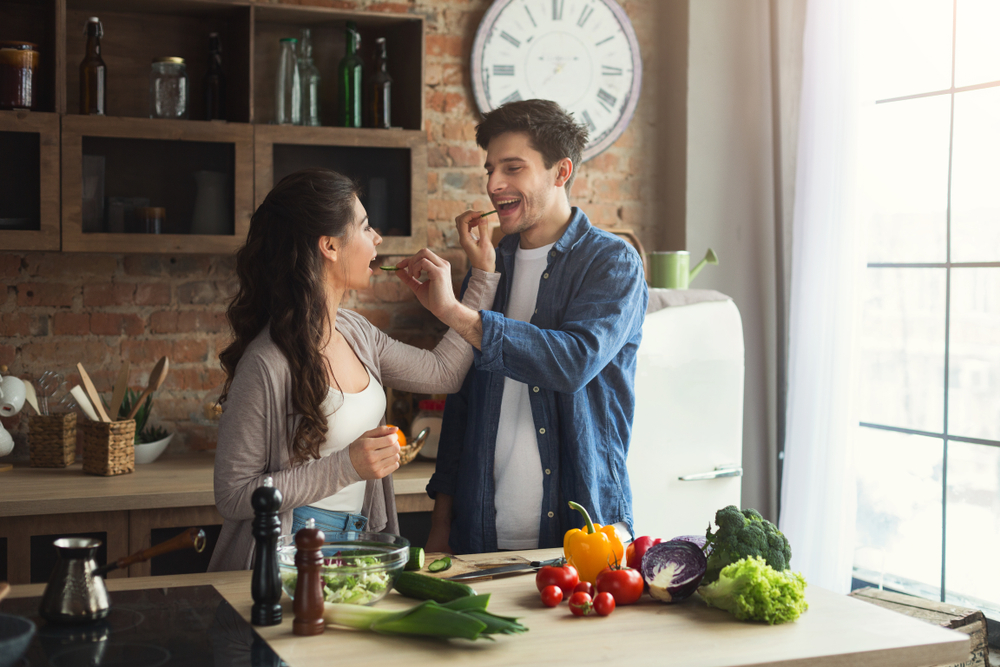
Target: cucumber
x=416, y=560
x=422, y=587
x=440, y=565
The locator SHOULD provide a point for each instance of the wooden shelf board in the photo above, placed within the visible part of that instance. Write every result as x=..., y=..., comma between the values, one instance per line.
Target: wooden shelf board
x=275, y=13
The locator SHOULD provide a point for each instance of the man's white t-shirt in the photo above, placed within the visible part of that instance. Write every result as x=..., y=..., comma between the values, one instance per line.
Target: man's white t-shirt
x=517, y=465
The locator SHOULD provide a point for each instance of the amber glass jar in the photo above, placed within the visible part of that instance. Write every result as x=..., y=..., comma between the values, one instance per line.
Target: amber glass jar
x=18, y=75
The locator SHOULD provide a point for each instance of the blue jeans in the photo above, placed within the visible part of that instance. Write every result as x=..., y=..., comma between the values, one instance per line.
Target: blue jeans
x=327, y=520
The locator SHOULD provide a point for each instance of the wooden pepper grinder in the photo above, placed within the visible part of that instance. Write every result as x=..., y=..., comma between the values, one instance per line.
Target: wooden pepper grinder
x=308, y=604
x=265, y=586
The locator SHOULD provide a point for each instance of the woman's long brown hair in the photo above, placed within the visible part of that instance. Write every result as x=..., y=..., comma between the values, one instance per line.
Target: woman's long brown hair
x=280, y=271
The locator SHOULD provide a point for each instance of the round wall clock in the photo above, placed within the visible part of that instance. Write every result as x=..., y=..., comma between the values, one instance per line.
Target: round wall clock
x=582, y=54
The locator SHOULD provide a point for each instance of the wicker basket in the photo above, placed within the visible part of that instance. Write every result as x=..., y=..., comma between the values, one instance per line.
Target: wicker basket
x=108, y=448
x=52, y=440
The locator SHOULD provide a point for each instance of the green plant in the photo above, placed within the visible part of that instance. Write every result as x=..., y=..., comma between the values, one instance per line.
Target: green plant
x=141, y=416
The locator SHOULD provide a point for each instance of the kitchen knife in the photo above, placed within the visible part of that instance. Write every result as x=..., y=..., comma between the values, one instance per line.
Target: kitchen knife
x=504, y=569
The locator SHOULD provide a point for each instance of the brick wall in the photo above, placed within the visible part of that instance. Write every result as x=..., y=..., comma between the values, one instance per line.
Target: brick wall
x=99, y=309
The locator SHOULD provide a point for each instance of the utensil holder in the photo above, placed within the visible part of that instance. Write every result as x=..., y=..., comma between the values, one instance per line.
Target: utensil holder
x=52, y=440
x=108, y=448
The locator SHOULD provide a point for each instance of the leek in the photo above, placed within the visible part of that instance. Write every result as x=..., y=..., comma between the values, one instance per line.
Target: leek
x=465, y=618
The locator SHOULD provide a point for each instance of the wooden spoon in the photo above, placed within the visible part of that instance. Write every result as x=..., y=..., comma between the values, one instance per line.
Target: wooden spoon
x=156, y=378
x=92, y=394
x=121, y=384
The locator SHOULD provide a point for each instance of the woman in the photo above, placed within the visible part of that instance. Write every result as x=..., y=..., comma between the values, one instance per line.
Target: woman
x=303, y=400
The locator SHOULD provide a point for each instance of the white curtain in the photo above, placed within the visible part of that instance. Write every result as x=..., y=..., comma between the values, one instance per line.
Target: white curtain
x=818, y=490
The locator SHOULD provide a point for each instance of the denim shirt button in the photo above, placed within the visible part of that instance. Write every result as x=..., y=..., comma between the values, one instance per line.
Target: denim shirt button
x=545, y=275
x=535, y=389
x=548, y=471
x=542, y=431
x=551, y=514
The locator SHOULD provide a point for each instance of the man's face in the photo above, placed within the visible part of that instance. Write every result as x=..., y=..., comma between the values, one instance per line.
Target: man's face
x=522, y=190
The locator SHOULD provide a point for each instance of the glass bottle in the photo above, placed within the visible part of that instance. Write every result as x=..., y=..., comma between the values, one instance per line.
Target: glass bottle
x=215, y=81
x=309, y=79
x=381, y=87
x=288, y=90
x=168, y=88
x=349, y=75
x=93, y=72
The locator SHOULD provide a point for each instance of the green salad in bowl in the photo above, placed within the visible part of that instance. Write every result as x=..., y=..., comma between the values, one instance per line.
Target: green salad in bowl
x=358, y=568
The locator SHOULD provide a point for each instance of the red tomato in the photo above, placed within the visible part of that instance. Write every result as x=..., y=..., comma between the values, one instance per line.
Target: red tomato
x=585, y=587
x=638, y=548
x=625, y=584
x=565, y=577
x=604, y=604
x=551, y=596
x=580, y=604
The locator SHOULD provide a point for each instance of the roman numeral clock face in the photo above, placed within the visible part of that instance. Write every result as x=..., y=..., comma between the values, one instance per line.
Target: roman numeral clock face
x=582, y=54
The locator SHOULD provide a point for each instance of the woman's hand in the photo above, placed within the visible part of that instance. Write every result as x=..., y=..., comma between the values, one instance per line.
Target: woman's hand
x=437, y=294
x=376, y=453
x=482, y=254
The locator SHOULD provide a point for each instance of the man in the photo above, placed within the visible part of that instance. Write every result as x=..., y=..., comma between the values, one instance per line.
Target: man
x=545, y=414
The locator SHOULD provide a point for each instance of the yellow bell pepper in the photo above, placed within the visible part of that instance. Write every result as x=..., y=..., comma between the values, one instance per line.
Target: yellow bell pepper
x=592, y=550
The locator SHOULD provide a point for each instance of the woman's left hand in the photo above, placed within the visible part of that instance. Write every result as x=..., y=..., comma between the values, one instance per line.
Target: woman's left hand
x=437, y=294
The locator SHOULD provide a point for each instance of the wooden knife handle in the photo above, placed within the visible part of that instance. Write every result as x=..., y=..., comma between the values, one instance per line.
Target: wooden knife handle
x=192, y=538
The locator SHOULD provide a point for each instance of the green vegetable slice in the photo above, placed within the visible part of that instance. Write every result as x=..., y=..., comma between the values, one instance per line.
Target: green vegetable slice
x=440, y=565
x=416, y=560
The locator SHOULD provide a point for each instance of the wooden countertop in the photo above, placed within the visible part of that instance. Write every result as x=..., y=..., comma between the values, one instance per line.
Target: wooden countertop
x=184, y=481
x=837, y=631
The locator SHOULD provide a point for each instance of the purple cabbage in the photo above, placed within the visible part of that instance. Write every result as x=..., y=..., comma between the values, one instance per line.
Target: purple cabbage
x=673, y=570
x=697, y=540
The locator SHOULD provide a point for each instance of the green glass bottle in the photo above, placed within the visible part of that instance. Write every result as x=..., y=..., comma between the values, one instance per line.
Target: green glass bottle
x=349, y=77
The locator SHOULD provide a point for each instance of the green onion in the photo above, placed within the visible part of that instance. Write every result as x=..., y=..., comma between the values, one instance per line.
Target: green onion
x=465, y=618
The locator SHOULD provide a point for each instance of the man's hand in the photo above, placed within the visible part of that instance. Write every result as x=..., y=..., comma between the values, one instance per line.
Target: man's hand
x=437, y=294
x=376, y=453
x=437, y=539
x=482, y=254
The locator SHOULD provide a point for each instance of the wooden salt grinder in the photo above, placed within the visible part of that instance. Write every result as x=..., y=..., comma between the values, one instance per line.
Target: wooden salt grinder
x=265, y=586
x=308, y=604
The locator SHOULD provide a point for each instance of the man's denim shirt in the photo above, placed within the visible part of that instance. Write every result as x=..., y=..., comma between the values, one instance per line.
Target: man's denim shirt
x=577, y=356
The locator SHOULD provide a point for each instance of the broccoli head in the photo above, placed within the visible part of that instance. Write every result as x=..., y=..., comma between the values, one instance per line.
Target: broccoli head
x=744, y=533
x=751, y=590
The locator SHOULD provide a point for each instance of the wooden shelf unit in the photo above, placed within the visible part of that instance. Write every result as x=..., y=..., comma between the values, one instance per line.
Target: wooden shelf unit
x=138, y=30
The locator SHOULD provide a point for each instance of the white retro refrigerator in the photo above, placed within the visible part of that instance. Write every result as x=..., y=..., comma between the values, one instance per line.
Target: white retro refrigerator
x=685, y=460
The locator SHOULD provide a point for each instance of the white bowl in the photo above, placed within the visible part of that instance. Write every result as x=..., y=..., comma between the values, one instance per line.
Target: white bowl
x=150, y=451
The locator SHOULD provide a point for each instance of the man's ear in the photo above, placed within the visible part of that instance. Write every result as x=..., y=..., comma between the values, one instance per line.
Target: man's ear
x=329, y=246
x=564, y=169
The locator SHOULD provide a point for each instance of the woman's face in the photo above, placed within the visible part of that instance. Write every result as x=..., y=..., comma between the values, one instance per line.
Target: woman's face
x=357, y=251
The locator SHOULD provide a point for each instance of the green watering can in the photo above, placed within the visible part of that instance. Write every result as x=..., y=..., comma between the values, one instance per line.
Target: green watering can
x=671, y=269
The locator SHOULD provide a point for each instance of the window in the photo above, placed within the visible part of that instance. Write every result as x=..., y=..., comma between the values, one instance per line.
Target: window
x=928, y=454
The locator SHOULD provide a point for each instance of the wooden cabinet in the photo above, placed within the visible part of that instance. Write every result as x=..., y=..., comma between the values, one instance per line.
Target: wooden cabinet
x=156, y=160
x=29, y=180
x=111, y=164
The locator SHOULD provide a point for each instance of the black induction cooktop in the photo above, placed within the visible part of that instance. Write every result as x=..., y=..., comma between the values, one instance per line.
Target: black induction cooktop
x=192, y=626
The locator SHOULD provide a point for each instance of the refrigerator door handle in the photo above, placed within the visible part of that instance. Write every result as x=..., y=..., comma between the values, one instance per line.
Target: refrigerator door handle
x=727, y=470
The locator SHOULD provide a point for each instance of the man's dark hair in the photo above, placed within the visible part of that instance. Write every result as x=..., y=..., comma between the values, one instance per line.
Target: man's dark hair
x=551, y=131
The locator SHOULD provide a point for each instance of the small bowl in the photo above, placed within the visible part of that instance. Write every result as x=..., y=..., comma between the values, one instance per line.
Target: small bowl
x=15, y=636
x=361, y=567
x=150, y=451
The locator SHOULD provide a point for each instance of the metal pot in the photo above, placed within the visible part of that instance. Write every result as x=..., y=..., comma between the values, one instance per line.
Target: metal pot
x=76, y=592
